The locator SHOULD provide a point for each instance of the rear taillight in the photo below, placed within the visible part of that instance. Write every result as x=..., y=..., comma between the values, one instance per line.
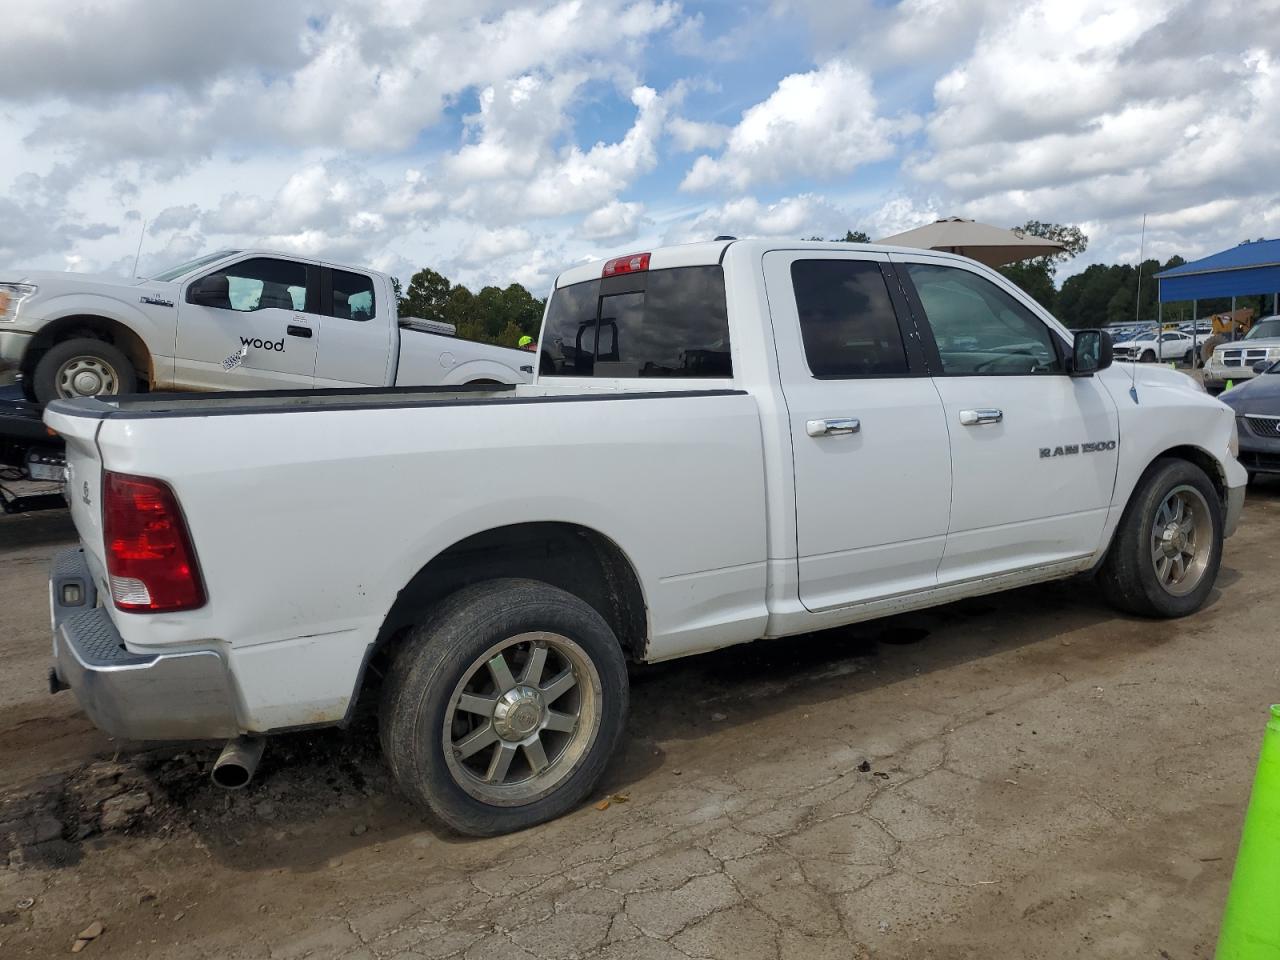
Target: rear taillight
x=151, y=564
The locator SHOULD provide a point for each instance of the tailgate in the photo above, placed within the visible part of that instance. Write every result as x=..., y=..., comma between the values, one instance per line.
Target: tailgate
x=84, y=482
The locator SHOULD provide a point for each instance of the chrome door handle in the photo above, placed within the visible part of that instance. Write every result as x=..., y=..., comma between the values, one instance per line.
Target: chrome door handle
x=972, y=418
x=833, y=427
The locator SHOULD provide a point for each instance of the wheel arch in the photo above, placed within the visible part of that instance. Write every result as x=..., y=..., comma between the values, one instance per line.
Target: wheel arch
x=575, y=558
x=94, y=326
x=1190, y=453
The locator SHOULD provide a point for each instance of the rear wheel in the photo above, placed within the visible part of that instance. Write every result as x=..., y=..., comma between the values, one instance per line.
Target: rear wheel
x=82, y=367
x=1166, y=552
x=503, y=712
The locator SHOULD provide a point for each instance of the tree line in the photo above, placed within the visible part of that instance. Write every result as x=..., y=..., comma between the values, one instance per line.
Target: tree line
x=500, y=315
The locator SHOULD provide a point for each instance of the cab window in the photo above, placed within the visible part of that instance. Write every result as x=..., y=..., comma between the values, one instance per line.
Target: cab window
x=261, y=283
x=674, y=323
x=980, y=328
x=352, y=295
x=847, y=320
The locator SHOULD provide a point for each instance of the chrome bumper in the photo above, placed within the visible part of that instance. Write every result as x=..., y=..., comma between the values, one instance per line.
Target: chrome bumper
x=184, y=695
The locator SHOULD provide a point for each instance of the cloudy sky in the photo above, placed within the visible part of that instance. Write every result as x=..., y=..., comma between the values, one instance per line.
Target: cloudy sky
x=502, y=141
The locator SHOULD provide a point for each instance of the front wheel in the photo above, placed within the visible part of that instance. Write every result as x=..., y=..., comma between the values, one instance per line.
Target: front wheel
x=1165, y=555
x=82, y=367
x=504, y=710
x=1148, y=356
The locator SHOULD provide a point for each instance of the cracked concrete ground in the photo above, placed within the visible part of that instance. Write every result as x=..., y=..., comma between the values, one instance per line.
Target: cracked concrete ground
x=1024, y=775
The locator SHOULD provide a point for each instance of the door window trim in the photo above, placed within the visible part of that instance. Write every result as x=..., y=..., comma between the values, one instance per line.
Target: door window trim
x=929, y=341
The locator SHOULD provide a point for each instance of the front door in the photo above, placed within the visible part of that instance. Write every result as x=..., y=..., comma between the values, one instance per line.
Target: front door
x=869, y=442
x=259, y=305
x=1033, y=450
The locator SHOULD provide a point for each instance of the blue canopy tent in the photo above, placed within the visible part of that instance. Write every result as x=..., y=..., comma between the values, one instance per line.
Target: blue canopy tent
x=1253, y=267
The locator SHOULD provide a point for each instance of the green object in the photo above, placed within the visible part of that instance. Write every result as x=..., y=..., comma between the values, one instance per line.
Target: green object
x=1251, y=921
x=526, y=340
x=1230, y=384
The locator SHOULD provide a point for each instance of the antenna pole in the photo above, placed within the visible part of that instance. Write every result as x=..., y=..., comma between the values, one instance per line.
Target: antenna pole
x=137, y=255
x=1142, y=246
x=1137, y=307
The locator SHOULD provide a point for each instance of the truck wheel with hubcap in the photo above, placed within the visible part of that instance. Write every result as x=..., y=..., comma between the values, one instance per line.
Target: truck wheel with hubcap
x=82, y=367
x=1165, y=555
x=503, y=711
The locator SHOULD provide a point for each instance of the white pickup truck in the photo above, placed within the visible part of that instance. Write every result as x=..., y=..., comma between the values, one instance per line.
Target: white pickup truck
x=232, y=320
x=725, y=441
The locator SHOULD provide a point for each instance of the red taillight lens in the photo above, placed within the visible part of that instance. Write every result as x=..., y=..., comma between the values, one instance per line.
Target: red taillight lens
x=631, y=263
x=150, y=561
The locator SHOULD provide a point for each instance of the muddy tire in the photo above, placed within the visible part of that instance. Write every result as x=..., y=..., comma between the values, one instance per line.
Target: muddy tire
x=82, y=367
x=1165, y=554
x=503, y=711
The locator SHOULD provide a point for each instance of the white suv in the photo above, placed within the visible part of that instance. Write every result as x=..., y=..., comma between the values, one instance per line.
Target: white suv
x=1235, y=361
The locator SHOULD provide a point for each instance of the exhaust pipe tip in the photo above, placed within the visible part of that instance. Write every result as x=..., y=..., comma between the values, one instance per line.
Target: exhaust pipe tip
x=238, y=762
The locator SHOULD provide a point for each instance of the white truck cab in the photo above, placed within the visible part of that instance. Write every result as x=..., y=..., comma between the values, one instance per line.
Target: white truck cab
x=231, y=320
x=724, y=441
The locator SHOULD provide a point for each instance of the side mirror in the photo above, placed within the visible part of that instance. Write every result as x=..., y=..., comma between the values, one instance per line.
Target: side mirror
x=1091, y=352
x=1262, y=366
x=208, y=291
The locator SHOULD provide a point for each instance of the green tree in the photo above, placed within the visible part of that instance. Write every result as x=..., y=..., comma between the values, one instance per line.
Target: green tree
x=1033, y=277
x=459, y=310
x=427, y=295
x=1072, y=238
x=856, y=236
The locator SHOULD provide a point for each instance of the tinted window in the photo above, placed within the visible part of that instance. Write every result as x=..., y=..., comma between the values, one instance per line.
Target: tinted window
x=847, y=319
x=263, y=283
x=980, y=328
x=352, y=295
x=676, y=326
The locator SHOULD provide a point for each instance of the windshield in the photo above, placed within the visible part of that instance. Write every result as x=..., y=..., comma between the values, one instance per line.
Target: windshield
x=1269, y=327
x=173, y=273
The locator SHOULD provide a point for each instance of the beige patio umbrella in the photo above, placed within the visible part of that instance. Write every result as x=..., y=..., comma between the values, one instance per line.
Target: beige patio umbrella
x=994, y=246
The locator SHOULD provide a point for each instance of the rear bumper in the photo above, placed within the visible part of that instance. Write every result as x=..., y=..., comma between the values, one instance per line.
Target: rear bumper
x=184, y=695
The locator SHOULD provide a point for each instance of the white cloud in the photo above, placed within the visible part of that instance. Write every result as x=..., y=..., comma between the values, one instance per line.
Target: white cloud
x=485, y=246
x=795, y=217
x=614, y=221
x=175, y=218
x=690, y=135
x=818, y=124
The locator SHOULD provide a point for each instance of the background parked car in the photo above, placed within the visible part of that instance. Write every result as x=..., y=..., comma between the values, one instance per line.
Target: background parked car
x=1236, y=361
x=1257, y=407
x=1148, y=348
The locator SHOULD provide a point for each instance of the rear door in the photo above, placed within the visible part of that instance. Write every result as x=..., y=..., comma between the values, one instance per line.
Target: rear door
x=266, y=306
x=870, y=448
x=1033, y=450
x=360, y=322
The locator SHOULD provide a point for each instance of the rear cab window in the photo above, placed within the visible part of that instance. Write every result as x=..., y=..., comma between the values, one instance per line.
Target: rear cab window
x=658, y=323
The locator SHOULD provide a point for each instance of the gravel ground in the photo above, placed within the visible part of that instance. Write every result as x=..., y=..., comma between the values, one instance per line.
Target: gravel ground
x=1024, y=775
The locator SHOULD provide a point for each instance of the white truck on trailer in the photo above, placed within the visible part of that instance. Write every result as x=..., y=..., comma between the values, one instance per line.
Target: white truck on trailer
x=724, y=441
x=231, y=320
